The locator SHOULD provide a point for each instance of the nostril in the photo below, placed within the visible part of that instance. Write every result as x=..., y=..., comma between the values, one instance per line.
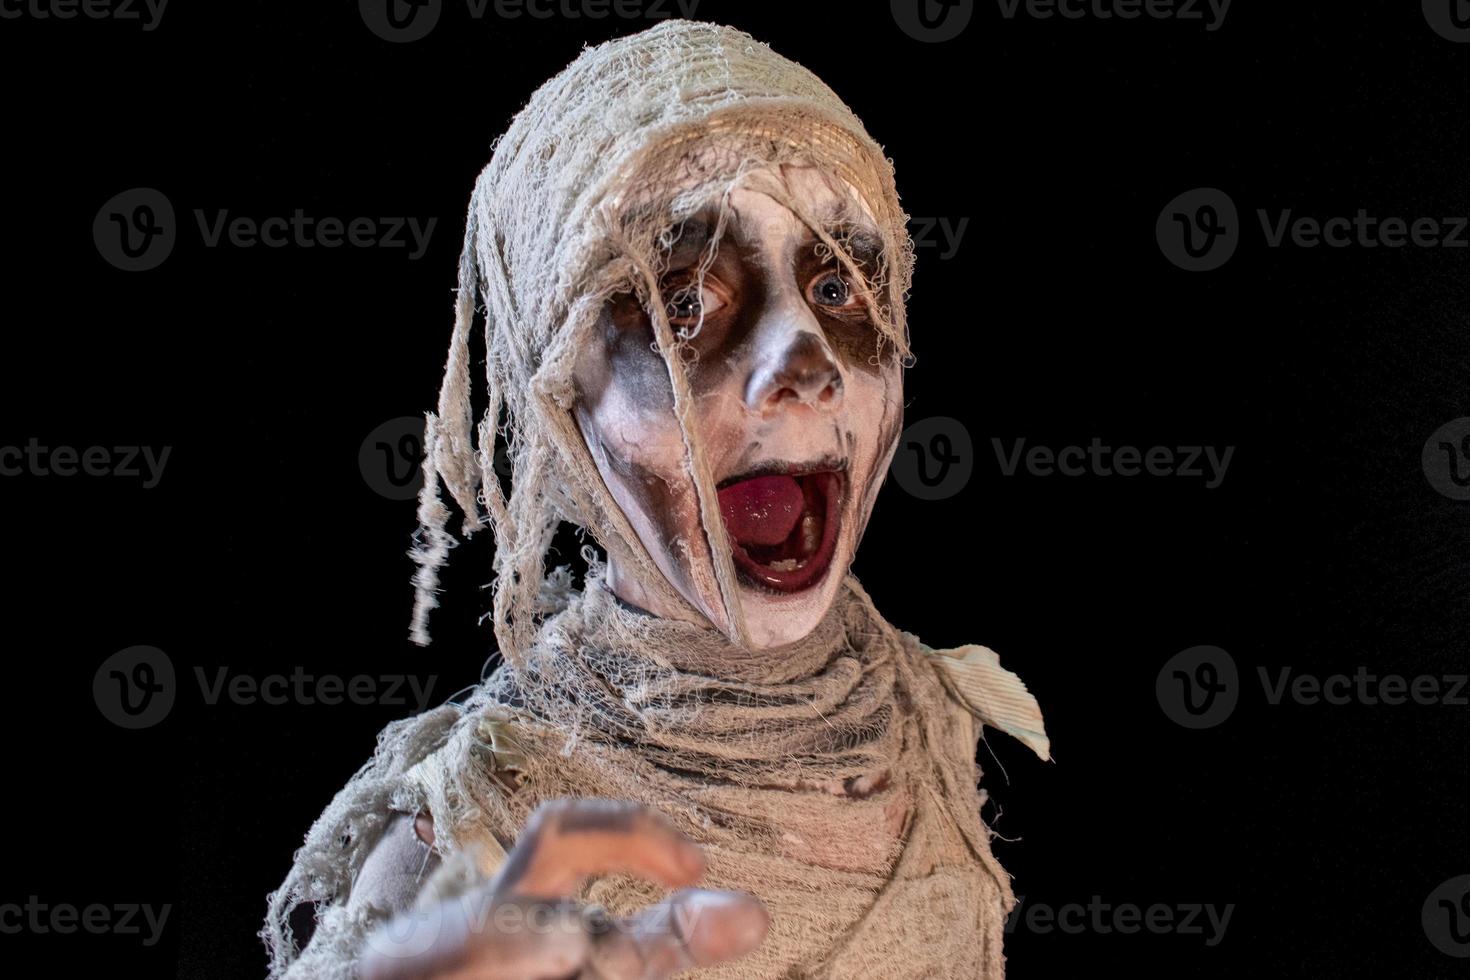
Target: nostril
x=785, y=393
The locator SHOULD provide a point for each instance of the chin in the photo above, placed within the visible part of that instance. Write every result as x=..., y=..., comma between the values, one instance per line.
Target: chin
x=777, y=619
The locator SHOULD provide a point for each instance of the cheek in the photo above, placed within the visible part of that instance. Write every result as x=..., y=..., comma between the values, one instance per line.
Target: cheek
x=624, y=405
x=637, y=445
x=875, y=402
x=639, y=449
x=726, y=430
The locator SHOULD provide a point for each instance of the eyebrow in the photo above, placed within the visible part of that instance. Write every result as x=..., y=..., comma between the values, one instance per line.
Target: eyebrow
x=861, y=241
x=688, y=239
x=857, y=235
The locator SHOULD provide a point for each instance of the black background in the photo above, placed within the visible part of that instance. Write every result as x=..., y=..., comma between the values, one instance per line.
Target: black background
x=264, y=550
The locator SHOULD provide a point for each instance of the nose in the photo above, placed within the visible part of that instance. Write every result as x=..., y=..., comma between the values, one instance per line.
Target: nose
x=801, y=370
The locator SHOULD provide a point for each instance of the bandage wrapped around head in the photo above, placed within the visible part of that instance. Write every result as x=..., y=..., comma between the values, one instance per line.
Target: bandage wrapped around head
x=577, y=206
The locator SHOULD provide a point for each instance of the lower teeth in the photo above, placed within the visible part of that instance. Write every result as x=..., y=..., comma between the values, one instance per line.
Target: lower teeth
x=787, y=564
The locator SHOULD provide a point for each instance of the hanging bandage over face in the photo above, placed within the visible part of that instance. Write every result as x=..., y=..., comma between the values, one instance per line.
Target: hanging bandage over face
x=692, y=265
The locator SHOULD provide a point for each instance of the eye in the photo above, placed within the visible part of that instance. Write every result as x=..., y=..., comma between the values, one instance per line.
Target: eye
x=688, y=303
x=832, y=289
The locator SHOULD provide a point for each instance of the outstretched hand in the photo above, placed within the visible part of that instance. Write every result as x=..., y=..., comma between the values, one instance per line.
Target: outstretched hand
x=523, y=925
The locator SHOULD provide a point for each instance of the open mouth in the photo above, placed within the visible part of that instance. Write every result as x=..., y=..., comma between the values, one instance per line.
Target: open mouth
x=783, y=525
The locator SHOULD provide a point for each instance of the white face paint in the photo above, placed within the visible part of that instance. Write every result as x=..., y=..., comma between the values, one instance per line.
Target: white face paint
x=790, y=390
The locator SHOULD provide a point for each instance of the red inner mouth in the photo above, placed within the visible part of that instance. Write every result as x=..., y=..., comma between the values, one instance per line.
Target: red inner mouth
x=783, y=529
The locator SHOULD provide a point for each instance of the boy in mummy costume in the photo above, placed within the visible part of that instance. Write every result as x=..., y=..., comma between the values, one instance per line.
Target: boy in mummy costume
x=692, y=267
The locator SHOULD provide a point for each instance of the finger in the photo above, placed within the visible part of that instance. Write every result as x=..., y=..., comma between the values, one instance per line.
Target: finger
x=473, y=937
x=566, y=841
x=694, y=928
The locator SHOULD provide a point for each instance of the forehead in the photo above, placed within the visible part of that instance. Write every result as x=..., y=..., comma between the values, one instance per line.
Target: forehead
x=771, y=209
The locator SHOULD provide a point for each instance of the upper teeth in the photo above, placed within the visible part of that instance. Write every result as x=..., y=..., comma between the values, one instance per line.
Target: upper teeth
x=809, y=538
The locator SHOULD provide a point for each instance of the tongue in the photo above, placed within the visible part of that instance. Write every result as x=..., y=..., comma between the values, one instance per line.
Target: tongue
x=762, y=511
